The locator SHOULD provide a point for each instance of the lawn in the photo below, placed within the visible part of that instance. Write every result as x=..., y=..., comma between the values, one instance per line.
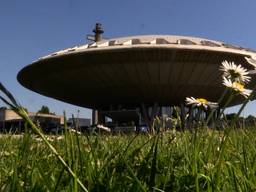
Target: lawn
x=198, y=160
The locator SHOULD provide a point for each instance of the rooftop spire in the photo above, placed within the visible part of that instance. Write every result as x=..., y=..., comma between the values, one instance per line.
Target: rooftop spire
x=98, y=30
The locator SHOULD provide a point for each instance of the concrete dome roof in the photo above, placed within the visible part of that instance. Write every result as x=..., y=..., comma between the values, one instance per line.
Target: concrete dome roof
x=134, y=70
x=168, y=41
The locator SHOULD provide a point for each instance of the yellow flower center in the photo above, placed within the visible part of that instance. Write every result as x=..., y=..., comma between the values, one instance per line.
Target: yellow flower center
x=238, y=86
x=201, y=100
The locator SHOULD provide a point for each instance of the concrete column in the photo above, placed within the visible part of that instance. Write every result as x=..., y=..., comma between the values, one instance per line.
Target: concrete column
x=144, y=112
x=191, y=117
x=95, y=117
x=182, y=115
x=211, y=123
x=101, y=118
x=155, y=112
x=149, y=118
x=20, y=125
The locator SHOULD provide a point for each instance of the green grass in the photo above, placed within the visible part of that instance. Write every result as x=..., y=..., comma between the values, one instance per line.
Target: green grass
x=201, y=160
x=197, y=160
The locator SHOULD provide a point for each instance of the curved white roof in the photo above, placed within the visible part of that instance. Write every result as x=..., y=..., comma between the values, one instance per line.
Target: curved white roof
x=148, y=41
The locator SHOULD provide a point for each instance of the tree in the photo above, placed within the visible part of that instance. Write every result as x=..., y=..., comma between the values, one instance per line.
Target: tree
x=44, y=109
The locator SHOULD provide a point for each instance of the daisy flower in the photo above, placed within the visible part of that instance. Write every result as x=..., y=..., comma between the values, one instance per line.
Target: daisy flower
x=200, y=102
x=237, y=87
x=235, y=72
x=251, y=60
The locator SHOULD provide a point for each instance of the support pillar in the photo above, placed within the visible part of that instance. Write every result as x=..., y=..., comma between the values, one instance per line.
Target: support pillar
x=211, y=123
x=94, y=117
x=182, y=115
x=101, y=118
x=190, y=117
x=149, y=118
x=155, y=112
x=19, y=126
x=145, y=115
x=170, y=115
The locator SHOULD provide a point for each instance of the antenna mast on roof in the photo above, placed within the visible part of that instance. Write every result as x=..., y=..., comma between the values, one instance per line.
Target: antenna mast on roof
x=98, y=30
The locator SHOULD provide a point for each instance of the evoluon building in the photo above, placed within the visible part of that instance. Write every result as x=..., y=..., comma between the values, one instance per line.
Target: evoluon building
x=134, y=78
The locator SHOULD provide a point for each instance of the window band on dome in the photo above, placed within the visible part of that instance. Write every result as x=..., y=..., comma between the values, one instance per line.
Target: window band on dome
x=186, y=42
x=209, y=43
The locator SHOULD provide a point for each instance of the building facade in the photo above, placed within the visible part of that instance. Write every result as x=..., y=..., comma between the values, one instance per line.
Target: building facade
x=10, y=121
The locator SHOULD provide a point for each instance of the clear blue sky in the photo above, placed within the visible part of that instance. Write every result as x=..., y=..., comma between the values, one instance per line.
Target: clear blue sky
x=31, y=29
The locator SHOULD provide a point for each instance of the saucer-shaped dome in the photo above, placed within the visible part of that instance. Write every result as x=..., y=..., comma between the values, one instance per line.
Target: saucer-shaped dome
x=133, y=70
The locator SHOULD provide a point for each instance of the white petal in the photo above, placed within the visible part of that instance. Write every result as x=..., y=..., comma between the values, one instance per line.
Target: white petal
x=251, y=60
